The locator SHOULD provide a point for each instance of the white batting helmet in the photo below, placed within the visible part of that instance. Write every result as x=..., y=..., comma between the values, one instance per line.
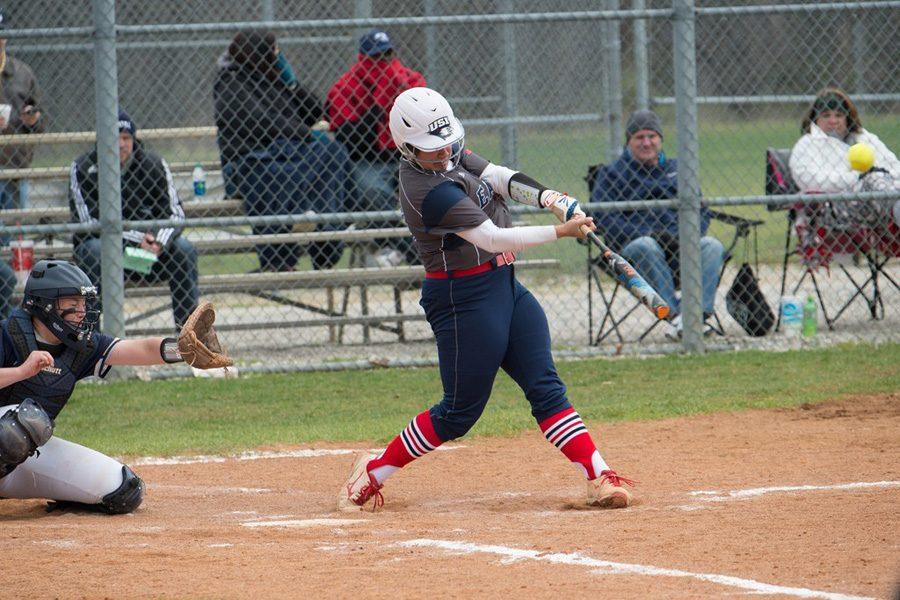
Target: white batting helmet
x=422, y=119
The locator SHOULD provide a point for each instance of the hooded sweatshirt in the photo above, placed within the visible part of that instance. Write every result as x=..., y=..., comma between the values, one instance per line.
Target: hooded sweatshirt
x=359, y=105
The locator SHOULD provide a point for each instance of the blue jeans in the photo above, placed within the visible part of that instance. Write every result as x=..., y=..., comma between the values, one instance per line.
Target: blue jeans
x=376, y=189
x=7, y=287
x=177, y=264
x=13, y=194
x=289, y=178
x=649, y=258
x=376, y=185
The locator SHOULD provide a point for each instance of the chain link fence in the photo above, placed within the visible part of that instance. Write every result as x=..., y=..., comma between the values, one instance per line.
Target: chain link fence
x=241, y=154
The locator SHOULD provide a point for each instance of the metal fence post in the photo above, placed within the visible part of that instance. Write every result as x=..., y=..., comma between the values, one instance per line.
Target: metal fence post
x=107, y=94
x=509, y=140
x=613, y=53
x=688, y=174
x=432, y=53
x=362, y=10
x=268, y=10
x=641, y=60
x=860, y=53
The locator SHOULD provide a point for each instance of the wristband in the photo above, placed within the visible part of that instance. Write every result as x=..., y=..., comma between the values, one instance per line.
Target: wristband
x=168, y=350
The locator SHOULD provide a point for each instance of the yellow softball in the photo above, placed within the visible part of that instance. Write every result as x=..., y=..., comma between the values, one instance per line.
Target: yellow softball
x=861, y=157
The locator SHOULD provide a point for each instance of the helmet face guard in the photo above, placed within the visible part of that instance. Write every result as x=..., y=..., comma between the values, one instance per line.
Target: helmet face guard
x=75, y=334
x=49, y=282
x=456, y=152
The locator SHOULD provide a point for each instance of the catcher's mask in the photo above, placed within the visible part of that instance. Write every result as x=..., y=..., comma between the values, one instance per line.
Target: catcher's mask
x=422, y=119
x=53, y=280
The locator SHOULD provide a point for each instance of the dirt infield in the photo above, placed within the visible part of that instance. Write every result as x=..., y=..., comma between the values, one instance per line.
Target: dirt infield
x=723, y=512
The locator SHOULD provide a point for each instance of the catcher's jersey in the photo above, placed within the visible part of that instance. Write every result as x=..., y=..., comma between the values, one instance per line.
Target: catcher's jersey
x=51, y=387
x=438, y=205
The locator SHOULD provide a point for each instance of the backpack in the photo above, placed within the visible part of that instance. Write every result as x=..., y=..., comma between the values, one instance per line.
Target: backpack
x=747, y=305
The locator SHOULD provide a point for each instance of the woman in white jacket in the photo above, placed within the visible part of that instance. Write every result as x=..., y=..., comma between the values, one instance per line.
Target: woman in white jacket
x=819, y=158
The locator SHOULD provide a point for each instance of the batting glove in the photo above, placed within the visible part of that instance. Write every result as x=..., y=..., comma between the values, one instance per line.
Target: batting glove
x=562, y=205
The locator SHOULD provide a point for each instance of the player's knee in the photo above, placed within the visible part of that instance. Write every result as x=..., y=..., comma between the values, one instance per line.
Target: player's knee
x=23, y=430
x=127, y=497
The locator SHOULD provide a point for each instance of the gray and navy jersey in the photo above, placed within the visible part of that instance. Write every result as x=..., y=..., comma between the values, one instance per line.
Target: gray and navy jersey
x=439, y=205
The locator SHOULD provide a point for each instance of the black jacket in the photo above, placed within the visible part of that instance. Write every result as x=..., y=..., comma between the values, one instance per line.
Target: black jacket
x=148, y=192
x=253, y=110
x=19, y=87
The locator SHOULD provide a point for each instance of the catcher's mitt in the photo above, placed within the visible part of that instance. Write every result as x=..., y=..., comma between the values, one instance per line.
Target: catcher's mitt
x=198, y=344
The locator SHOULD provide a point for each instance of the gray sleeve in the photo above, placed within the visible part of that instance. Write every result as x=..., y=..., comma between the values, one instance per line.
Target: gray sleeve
x=474, y=163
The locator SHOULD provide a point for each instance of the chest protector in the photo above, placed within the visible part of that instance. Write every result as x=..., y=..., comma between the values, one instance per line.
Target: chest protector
x=51, y=387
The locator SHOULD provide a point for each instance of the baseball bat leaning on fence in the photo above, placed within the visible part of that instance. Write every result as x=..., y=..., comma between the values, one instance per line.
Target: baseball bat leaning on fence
x=630, y=279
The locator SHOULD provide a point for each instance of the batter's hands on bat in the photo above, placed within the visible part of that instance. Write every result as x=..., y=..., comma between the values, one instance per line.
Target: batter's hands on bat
x=573, y=227
x=36, y=361
x=564, y=206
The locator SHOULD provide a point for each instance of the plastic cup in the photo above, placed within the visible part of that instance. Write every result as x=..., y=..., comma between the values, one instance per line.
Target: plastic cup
x=22, y=258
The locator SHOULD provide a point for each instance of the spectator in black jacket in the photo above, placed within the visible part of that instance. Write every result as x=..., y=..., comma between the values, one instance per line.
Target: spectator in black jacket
x=148, y=192
x=270, y=156
x=20, y=114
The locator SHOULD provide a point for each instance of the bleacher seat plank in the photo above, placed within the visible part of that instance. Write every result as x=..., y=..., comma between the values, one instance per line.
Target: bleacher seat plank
x=193, y=209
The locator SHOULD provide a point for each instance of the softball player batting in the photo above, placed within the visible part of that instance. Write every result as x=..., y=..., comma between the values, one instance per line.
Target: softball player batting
x=47, y=346
x=454, y=202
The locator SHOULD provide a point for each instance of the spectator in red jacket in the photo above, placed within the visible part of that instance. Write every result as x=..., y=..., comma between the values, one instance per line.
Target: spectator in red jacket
x=358, y=106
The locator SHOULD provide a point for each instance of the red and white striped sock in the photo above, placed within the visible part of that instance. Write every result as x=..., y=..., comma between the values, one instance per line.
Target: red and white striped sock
x=417, y=440
x=566, y=431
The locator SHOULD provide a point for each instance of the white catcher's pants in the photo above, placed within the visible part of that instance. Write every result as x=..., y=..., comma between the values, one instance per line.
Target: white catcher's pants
x=63, y=471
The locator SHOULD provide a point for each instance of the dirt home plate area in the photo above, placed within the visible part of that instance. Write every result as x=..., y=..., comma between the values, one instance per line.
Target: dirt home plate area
x=800, y=502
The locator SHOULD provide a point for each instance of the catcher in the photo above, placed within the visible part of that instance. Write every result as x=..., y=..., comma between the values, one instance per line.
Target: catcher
x=50, y=343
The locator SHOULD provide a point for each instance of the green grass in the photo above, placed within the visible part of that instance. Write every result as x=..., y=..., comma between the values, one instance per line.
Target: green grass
x=186, y=416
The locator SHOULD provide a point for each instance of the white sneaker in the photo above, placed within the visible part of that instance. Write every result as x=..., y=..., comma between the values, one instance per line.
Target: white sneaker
x=674, y=328
x=360, y=486
x=385, y=258
x=608, y=491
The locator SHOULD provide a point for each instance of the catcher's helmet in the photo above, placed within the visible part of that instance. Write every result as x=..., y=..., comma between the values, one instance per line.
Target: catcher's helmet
x=51, y=280
x=422, y=119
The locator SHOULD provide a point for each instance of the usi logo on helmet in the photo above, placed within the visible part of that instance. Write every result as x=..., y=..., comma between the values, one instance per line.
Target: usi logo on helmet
x=440, y=127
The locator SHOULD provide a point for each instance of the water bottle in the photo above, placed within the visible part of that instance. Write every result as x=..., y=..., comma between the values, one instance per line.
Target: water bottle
x=199, y=177
x=810, y=317
x=791, y=315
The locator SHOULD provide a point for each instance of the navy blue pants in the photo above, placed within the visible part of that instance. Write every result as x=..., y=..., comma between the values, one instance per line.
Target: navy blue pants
x=484, y=323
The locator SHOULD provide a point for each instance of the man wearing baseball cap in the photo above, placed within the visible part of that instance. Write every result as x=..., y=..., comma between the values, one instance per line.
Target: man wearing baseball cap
x=649, y=238
x=148, y=192
x=19, y=114
x=358, y=105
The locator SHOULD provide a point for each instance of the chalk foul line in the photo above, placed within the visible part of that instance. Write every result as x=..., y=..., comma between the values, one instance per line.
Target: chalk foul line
x=615, y=568
x=257, y=455
x=719, y=496
x=305, y=523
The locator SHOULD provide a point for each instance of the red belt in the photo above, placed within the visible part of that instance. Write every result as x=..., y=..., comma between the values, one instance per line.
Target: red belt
x=507, y=258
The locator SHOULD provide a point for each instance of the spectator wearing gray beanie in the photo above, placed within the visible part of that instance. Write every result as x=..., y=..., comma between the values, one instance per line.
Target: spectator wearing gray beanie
x=649, y=238
x=641, y=120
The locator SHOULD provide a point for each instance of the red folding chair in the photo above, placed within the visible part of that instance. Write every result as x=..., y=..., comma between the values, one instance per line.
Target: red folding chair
x=820, y=241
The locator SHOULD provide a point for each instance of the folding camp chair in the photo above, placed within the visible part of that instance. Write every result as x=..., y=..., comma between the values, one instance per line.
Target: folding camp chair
x=814, y=235
x=615, y=316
